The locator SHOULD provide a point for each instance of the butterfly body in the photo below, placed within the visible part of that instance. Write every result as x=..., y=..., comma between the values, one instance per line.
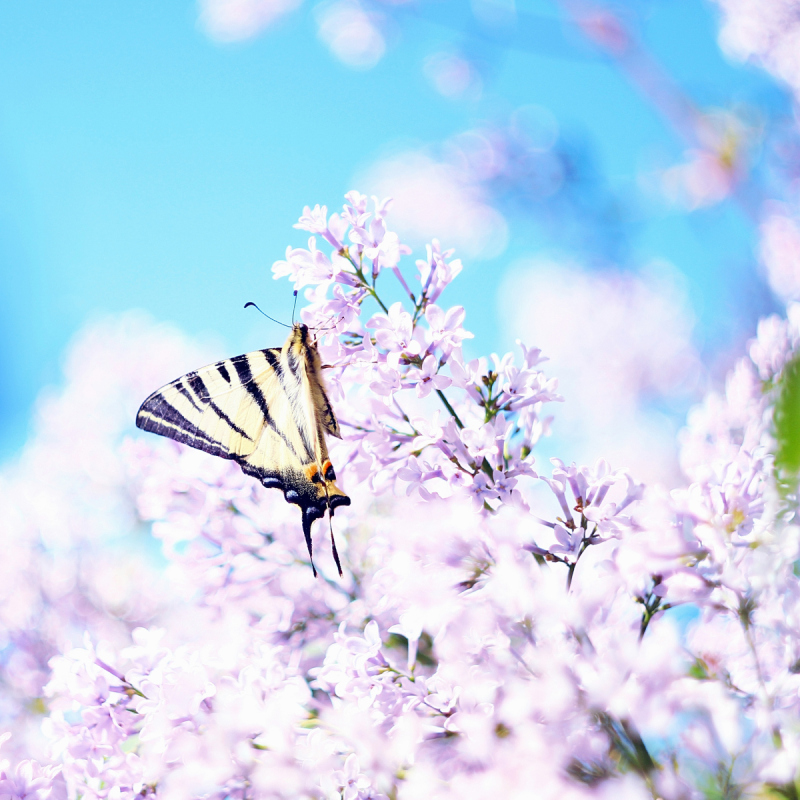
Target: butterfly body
x=268, y=411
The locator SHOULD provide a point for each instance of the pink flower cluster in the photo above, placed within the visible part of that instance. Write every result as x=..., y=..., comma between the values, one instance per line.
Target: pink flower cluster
x=766, y=34
x=476, y=443
x=497, y=631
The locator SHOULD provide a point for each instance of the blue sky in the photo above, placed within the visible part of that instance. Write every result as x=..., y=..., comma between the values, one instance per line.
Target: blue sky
x=144, y=166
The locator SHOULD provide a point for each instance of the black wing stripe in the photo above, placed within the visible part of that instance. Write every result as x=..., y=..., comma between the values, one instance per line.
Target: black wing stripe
x=198, y=386
x=270, y=478
x=231, y=424
x=330, y=419
x=291, y=381
x=187, y=394
x=166, y=412
x=223, y=370
x=163, y=415
x=242, y=366
x=200, y=442
x=294, y=364
x=273, y=358
x=201, y=390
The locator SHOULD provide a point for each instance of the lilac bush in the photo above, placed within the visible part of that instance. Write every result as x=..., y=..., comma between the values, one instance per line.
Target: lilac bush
x=504, y=627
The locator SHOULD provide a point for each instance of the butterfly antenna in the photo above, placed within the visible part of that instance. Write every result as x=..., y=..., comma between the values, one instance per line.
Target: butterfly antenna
x=246, y=305
x=294, y=307
x=333, y=541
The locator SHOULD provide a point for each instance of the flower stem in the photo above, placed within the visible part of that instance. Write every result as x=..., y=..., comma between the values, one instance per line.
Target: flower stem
x=377, y=299
x=584, y=545
x=450, y=408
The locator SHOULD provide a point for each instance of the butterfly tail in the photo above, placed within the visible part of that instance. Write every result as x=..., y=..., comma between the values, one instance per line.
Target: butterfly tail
x=333, y=545
x=339, y=498
x=309, y=515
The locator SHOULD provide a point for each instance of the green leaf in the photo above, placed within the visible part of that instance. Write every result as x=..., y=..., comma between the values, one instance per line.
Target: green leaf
x=699, y=670
x=787, y=425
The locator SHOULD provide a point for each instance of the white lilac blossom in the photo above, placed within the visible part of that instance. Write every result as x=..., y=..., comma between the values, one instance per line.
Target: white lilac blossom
x=766, y=34
x=231, y=20
x=583, y=320
x=501, y=627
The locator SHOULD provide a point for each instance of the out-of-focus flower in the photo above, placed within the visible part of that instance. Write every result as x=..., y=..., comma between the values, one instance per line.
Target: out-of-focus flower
x=67, y=513
x=702, y=181
x=231, y=20
x=780, y=252
x=432, y=198
x=485, y=637
x=764, y=33
x=710, y=172
x=351, y=32
x=619, y=342
x=453, y=75
x=31, y=781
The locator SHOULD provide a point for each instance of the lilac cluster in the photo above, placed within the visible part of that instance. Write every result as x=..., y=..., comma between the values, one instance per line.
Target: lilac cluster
x=495, y=629
x=478, y=441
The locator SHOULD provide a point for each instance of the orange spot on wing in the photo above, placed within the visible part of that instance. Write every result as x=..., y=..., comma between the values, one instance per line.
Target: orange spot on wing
x=312, y=473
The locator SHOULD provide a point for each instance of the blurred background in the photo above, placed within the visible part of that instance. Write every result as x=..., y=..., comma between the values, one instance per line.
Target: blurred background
x=620, y=180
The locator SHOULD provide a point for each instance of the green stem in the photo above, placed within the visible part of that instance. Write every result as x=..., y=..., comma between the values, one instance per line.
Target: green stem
x=365, y=282
x=377, y=299
x=450, y=408
x=651, y=607
x=571, y=572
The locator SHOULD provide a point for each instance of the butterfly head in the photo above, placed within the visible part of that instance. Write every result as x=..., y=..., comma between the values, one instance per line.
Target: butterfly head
x=299, y=337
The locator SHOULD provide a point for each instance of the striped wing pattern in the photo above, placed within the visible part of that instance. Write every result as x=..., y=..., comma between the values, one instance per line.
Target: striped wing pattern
x=213, y=408
x=268, y=411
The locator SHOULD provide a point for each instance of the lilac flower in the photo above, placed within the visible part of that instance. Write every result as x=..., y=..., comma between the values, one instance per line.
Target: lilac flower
x=410, y=626
x=764, y=35
x=445, y=329
x=31, y=781
x=481, y=490
x=315, y=221
x=416, y=474
x=466, y=375
x=386, y=380
x=394, y=330
x=352, y=783
x=436, y=272
x=382, y=248
x=486, y=637
x=569, y=542
x=308, y=266
x=343, y=309
x=355, y=209
x=429, y=379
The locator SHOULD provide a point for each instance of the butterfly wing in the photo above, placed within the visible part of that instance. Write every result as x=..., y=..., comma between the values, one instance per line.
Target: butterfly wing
x=268, y=411
x=219, y=408
x=243, y=408
x=322, y=406
x=294, y=457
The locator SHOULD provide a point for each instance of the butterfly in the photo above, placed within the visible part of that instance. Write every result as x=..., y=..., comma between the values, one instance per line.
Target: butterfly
x=266, y=410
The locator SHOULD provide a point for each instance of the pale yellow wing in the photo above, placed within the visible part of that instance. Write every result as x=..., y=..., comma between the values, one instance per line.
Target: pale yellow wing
x=268, y=411
x=222, y=408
